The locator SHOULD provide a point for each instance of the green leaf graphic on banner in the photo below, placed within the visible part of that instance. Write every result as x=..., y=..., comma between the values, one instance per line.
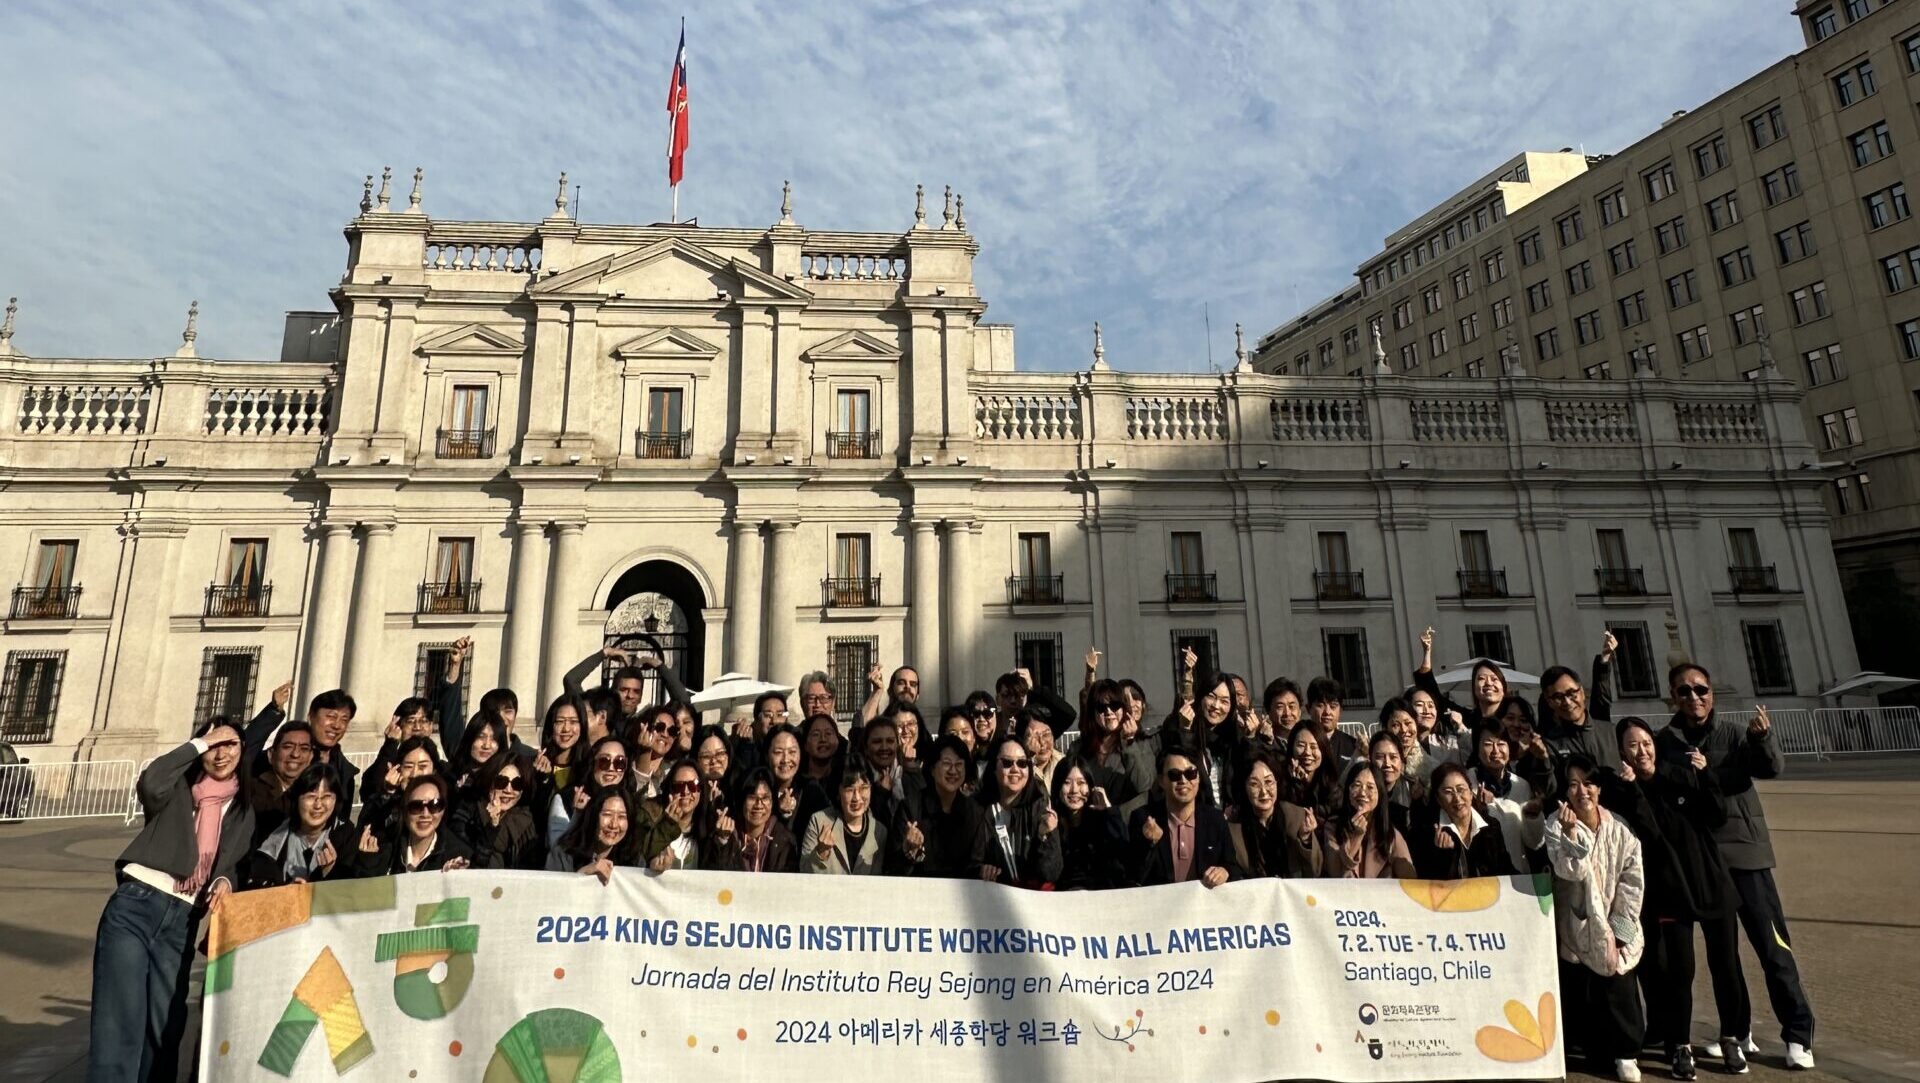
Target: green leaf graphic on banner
x=555, y=1045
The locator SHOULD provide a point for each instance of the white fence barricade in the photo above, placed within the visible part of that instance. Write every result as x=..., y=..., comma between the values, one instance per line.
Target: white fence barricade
x=65, y=790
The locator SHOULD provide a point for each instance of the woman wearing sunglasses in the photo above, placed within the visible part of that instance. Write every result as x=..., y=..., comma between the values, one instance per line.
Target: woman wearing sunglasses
x=416, y=840
x=493, y=818
x=689, y=813
x=1023, y=838
x=601, y=838
x=180, y=866
x=383, y=780
x=606, y=764
x=309, y=844
x=1121, y=770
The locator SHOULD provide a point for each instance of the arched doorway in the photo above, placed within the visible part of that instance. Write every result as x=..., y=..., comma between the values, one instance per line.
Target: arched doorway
x=655, y=607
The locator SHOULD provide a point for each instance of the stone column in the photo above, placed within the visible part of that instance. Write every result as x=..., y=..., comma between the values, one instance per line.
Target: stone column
x=326, y=615
x=744, y=609
x=138, y=652
x=366, y=635
x=563, y=604
x=777, y=663
x=923, y=610
x=962, y=611
x=527, y=612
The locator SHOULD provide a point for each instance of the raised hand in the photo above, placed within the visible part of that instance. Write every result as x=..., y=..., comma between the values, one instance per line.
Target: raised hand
x=680, y=806
x=282, y=696
x=662, y=861
x=1442, y=839
x=1426, y=647
x=368, y=844
x=393, y=729
x=1567, y=818
x=454, y=864
x=1482, y=797
x=1049, y=822
x=1097, y=798
x=648, y=661
x=1152, y=831
x=824, y=844
x=1093, y=659
x=324, y=857
x=1696, y=759
x=1185, y=711
x=1024, y=674
x=542, y=763
x=788, y=803
x=913, y=837
x=580, y=798
x=462, y=645
x=616, y=654
x=1761, y=723
x=1188, y=661
x=1309, y=823
x=876, y=677
x=1626, y=773
x=392, y=777
x=221, y=889
x=1608, y=644
x=989, y=873
x=723, y=826
x=600, y=867
x=1214, y=877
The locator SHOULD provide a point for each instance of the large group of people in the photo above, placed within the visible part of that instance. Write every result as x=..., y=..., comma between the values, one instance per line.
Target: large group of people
x=1647, y=829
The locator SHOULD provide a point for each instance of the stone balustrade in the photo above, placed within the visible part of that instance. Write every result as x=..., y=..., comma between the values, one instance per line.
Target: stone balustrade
x=268, y=411
x=1026, y=416
x=84, y=409
x=1590, y=421
x=1319, y=417
x=1459, y=420
x=1719, y=423
x=837, y=266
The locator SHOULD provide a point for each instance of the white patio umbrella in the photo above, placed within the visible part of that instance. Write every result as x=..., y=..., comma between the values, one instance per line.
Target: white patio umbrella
x=1462, y=672
x=1868, y=683
x=734, y=690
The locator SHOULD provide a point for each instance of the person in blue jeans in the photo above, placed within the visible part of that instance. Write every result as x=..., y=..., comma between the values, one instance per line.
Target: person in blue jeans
x=180, y=867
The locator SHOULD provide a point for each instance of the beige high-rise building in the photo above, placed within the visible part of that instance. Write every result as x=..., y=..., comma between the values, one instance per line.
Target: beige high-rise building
x=1775, y=219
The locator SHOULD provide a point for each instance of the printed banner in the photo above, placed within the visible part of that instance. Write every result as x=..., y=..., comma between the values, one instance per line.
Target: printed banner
x=545, y=978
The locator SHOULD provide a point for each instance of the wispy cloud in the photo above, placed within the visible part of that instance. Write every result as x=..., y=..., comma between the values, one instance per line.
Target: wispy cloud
x=1129, y=163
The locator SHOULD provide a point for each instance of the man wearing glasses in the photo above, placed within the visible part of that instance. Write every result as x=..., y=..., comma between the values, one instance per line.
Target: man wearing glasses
x=1738, y=755
x=817, y=695
x=1568, y=711
x=1175, y=837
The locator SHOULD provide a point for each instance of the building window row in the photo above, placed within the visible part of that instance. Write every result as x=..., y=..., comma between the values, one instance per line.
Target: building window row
x=1887, y=206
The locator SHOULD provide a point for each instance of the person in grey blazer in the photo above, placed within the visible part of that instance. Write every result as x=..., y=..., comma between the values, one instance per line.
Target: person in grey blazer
x=845, y=839
x=180, y=866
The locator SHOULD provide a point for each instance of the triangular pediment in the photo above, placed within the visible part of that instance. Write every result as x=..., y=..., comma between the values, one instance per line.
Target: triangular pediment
x=853, y=346
x=666, y=344
x=673, y=268
x=472, y=338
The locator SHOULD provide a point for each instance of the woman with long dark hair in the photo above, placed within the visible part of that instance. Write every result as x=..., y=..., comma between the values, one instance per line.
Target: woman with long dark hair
x=1507, y=799
x=1598, y=880
x=606, y=763
x=938, y=830
x=563, y=750
x=1023, y=840
x=1443, y=736
x=601, y=838
x=690, y=813
x=1309, y=777
x=1203, y=729
x=1093, y=837
x=758, y=842
x=384, y=779
x=1271, y=837
x=713, y=758
x=309, y=843
x=1487, y=687
x=825, y=748
x=1454, y=840
x=1358, y=840
x=1406, y=797
x=414, y=839
x=485, y=738
x=1102, y=749
x=491, y=816
x=782, y=754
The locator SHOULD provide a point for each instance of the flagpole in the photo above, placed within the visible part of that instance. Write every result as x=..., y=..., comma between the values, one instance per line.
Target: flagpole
x=676, y=202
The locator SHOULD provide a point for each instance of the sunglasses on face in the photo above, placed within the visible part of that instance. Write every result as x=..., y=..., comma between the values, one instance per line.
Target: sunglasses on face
x=1010, y=764
x=661, y=727
x=1190, y=774
x=509, y=782
x=683, y=787
x=1695, y=691
x=983, y=712
x=610, y=763
x=432, y=805
x=1110, y=706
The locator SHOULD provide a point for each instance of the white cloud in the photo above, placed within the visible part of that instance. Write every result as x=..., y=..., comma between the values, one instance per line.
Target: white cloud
x=1122, y=162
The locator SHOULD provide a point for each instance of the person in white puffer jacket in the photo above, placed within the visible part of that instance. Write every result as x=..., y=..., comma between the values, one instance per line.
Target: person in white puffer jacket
x=1598, y=881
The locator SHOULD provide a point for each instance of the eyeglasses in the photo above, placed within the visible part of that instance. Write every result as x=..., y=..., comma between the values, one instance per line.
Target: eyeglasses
x=983, y=712
x=1565, y=693
x=683, y=787
x=1007, y=763
x=509, y=782
x=1190, y=774
x=777, y=716
x=416, y=808
x=610, y=763
x=816, y=700
x=1696, y=691
x=760, y=797
x=662, y=727
x=712, y=757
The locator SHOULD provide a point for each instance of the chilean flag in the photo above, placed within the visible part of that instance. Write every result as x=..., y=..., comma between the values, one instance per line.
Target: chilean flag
x=677, y=108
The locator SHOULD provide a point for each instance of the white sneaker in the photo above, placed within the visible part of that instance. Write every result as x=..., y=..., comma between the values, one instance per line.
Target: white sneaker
x=1627, y=1071
x=1708, y=1049
x=1751, y=1045
x=1799, y=1057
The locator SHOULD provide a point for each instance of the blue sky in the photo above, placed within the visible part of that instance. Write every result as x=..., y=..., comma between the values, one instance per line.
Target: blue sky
x=1127, y=162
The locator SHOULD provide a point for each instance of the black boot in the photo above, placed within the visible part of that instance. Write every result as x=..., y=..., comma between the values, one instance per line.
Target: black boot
x=1680, y=1058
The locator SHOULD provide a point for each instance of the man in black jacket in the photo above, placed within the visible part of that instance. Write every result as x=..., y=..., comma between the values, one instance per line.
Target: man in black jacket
x=1738, y=755
x=1175, y=837
x=328, y=714
x=1568, y=711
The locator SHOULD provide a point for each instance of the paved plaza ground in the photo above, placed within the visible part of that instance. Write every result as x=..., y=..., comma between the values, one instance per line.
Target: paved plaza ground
x=1847, y=835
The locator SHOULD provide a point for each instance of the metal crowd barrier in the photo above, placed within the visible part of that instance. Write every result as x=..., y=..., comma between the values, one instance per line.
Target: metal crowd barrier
x=1841, y=731
x=65, y=790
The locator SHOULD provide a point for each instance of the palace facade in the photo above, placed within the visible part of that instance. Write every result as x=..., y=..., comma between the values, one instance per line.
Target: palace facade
x=776, y=449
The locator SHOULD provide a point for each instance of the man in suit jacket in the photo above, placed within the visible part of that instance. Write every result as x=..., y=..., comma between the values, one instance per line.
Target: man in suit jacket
x=1175, y=837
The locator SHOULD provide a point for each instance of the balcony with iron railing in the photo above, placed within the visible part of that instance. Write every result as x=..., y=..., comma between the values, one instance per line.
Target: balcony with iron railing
x=1753, y=578
x=1483, y=582
x=1340, y=586
x=1035, y=590
x=663, y=445
x=463, y=444
x=853, y=445
x=238, y=599
x=450, y=597
x=45, y=603
x=1622, y=582
x=1192, y=588
x=850, y=591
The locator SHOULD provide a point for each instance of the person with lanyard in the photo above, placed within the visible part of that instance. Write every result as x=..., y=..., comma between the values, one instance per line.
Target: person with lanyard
x=310, y=840
x=1598, y=882
x=1177, y=838
x=760, y=842
x=1023, y=840
x=1739, y=754
x=845, y=839
x=179, y=867
x=413, y=841
x=1576, y=718
x=601, y=838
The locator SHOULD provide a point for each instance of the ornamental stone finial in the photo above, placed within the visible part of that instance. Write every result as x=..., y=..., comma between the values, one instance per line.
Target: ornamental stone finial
x=786, y=203
x=946, y=215
x=386, y=188
x=919, y=206
x=1099, y=348
x=960, y=213
x=1379, y=352
x=6, y=327
x=1676, y=652
x=560, y=200
x=366, y=195
x=1240, y=350
x=191, y=333
x=1766, y=354
x=413, y=197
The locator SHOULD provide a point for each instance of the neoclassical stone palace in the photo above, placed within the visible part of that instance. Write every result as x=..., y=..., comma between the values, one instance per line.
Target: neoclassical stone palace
x=778, y=449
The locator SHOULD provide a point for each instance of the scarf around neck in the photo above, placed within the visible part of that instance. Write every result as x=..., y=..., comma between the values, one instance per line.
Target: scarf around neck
x=210, y=796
